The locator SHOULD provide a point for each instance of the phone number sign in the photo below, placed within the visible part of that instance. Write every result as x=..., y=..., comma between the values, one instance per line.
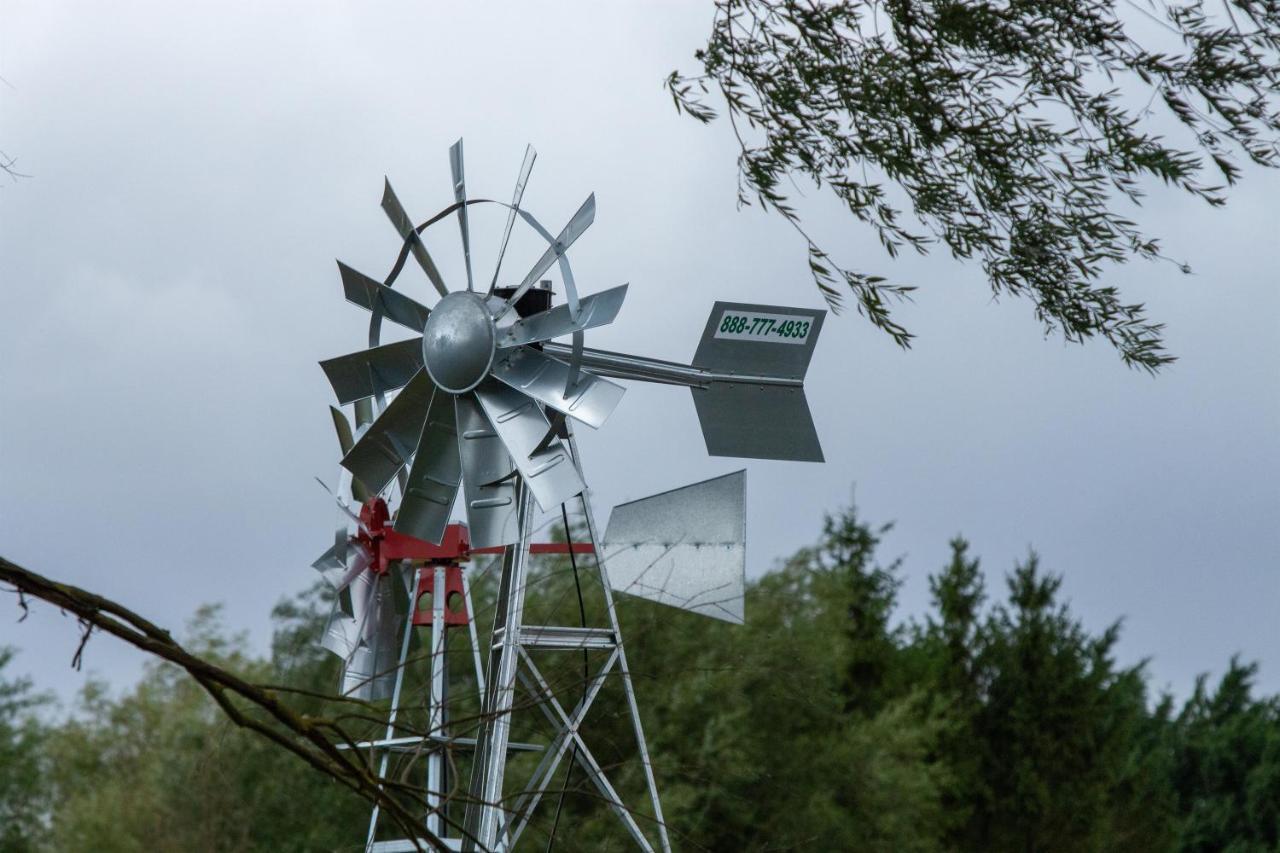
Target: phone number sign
x=773, y=328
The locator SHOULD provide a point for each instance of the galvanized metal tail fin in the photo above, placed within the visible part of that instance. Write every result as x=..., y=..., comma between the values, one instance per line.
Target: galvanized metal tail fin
x=755, y=407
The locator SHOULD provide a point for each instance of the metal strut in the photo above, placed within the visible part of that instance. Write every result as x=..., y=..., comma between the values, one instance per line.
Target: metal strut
x=491, y=822
x=436, y=739
x=484, y=808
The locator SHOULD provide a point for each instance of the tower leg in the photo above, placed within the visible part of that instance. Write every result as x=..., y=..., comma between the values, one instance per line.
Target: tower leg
x=485, y=809
x=436, y=703
x=475, y=640
x=632, y=706
x=395, y=707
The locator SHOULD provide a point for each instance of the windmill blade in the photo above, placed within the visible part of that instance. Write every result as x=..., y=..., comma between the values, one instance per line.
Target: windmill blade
x=544, y=378
x=460, y=196
x=380, y=607
x=341, y=632
x=388, y=443
x=345, y=440
x=362, y=374
x=580, y=222
x=343, y=561
x=521, y=180
x=364, y=413
x=598, y=309
x=488, y=491
x=549, y=472
x=369, y=672
x=342, y=505
x=433, y=480
x=371, y=294
x=343, y=428
x=404, y=225
x=684, y=548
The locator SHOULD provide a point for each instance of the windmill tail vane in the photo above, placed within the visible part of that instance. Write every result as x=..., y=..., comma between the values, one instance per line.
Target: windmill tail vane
x=484, y=399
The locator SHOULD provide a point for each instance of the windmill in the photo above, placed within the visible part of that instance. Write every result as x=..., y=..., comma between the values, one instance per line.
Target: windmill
x=487, y=403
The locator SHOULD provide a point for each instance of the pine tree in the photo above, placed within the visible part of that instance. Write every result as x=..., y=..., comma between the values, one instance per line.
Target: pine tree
x=1226, y=773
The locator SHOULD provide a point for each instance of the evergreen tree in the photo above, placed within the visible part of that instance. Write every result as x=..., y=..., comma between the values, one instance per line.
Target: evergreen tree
x=1055, y=726
x=950, y=645
x=1226, y=773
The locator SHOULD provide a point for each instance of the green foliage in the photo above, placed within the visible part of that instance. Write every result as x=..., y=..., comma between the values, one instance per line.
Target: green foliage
x=1012, y=131
x=23, y=789
x=1056, y=725
x=824, y=723
x=1226, y=775
x=160, y=769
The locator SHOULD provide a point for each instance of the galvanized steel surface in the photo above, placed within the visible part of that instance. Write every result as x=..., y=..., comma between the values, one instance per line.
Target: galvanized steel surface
x=522, y=426
x=369, y=372
x=370, y=295
x=598, y=309
x=487, y=476
x=433, y=480
x=458, y=342
x=389, y=441
x=544, y=378
x=685, y=548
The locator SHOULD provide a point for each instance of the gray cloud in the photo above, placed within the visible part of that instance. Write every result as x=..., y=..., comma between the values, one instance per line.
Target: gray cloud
x=169, y=285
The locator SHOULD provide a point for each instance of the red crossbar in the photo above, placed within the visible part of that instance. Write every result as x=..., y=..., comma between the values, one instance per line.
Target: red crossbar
x=387, y=544
x=543, y=548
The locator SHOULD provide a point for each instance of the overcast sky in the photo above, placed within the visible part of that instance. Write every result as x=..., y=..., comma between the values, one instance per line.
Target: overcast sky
x=169, y=285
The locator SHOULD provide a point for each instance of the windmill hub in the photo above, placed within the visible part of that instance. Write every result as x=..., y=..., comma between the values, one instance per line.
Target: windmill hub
x=458, y=342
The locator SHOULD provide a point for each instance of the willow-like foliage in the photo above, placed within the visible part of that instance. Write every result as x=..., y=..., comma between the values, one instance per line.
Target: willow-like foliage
x=1013, y=132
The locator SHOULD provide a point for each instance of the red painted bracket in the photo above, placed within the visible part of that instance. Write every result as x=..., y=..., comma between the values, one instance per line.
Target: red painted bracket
x=455, y=602
x=386, y=545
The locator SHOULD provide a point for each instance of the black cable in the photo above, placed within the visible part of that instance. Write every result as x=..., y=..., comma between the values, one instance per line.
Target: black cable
x=586, y=674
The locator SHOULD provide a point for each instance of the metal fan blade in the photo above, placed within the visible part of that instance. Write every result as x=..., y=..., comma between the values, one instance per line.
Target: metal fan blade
x=343, y=562
x=332, y=564
x=490, y=495
x=372, y=371
x=544, y=378
x=580, y=222
x=370, y=671
x=364, y=413
x=521, y=180
x=370, y=294
x=684, y=548
x=343, y=428
x=388, y=443
x=345, y=440
x=598, y=309
x=460, y=196
x=341, y=633
x=549, y=473
x=404, y=225
x=347, y=636
x=433, y=480
x=379, y=606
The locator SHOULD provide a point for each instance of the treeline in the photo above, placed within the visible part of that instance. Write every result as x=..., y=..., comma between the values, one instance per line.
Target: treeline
x=996, y=723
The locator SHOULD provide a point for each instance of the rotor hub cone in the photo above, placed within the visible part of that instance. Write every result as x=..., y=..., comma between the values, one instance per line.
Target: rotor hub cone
x=458, y=342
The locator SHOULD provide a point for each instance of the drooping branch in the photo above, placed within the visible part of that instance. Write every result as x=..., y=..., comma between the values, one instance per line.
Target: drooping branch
x=1005, y=130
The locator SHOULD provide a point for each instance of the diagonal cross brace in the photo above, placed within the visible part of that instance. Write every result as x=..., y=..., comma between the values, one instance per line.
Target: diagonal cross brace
x=528, y=801
x=555, y=712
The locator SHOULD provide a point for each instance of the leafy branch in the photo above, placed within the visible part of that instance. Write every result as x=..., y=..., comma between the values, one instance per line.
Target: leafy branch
x=1001, y=126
